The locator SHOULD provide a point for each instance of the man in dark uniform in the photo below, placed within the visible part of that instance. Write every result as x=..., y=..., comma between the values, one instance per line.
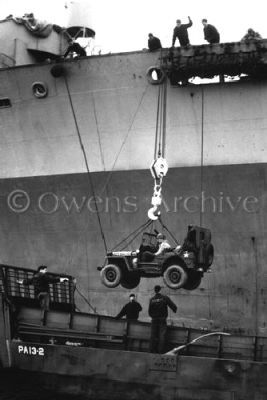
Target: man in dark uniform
x=251, y=35
x=180, y=32
x=131, y=310
x=158, y=311
x=75, y=47
x=153, y=42
x=41, y=281
x=210, y=32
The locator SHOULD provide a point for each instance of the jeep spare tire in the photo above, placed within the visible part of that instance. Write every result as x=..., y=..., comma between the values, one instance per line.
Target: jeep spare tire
x=111, y=275
x=175, y=276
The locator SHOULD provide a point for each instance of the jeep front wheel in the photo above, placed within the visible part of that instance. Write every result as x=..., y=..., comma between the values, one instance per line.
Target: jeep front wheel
x=175, y=276
x=111, y=275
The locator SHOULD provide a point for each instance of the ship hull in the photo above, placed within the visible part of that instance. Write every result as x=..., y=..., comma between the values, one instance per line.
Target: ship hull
x=216, y=151
x=109, y=374
x=55, y=222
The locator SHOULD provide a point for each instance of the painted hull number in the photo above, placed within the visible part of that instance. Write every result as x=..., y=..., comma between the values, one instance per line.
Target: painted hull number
x=31, y=350
x=163, y=363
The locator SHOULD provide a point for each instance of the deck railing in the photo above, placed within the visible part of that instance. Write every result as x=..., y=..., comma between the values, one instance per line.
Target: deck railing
x=61, y=294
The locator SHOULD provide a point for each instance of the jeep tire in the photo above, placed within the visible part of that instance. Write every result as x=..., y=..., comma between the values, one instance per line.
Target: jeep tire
x=111, y=275
x=175, y=276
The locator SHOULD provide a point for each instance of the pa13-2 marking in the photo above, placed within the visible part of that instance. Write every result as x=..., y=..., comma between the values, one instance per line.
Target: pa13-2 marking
x=31, y=350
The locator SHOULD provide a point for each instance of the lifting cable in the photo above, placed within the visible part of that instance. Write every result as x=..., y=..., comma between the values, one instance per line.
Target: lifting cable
x=202, y=155
x=169, y=232
x=159, y=166
x=135, y=233
x=138, y=233
x=160, y=136
x=91, y=185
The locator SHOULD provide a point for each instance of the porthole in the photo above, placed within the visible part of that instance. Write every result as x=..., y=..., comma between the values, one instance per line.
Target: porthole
x=40, y=90
x=155, y=75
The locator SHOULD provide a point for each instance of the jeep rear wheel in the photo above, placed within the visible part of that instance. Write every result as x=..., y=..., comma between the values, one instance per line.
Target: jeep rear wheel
x=111, y=275
x=175, y=276
x=193, y=281
x=130, y=280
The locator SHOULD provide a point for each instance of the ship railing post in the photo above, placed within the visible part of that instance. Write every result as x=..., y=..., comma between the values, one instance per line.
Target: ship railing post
x=126, y=335
x=220, y=349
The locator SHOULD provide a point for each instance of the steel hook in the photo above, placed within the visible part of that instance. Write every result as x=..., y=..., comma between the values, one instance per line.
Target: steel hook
x=153, y=213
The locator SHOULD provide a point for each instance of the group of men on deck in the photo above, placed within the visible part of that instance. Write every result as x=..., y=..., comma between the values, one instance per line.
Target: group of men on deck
x=211, y=35
x=158, y=311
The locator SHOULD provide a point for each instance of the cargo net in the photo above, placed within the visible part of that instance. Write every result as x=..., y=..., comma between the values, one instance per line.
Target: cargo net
x=61, y=294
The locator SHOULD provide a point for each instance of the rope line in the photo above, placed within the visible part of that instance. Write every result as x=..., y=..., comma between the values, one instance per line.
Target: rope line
x=138, y=233
x=85, y=299
x=157, y=124
x=86, y=164
x=143, y=226
x=202, y=155
x=124, y=140
x=169, y=232
x=164, y=118
x=98, y=134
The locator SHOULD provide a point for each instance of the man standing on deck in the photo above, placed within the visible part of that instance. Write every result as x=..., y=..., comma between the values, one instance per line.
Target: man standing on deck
x=131, y=310
x=210, y=32
x=153, y=42
x=251, y=35
x=158, y=311
x=180, y=32
x=41, y=281
x=75, y=47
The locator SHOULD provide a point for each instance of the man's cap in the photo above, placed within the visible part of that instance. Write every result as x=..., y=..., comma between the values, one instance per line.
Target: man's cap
x=132, y=295
x=178, y=20
x=157, y=288
x=150, y=34
x=161, y=236
x=204, y=20
x=41, y=267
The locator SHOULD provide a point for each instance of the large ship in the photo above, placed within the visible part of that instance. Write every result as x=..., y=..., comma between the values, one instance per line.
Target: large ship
x=77, y=139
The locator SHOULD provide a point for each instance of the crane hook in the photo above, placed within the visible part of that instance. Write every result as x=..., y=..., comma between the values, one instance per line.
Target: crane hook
x=153, y=213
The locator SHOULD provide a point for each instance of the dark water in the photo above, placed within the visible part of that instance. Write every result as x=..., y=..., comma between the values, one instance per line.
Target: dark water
x=16, y=387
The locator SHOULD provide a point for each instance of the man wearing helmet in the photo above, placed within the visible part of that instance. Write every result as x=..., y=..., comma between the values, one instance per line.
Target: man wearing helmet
x=163, y=246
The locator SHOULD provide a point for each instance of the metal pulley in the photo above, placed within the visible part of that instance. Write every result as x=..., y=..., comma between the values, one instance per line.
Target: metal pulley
x=159, y=168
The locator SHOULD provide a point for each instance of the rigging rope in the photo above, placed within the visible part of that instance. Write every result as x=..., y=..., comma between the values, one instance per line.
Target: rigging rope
x=85, y=299
x=159, y=166
x=139, y=230
x=138, y=233
x=98, y=134
x=86, y=164
x=169, y=232
x=124, y=140
x=202, y=155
